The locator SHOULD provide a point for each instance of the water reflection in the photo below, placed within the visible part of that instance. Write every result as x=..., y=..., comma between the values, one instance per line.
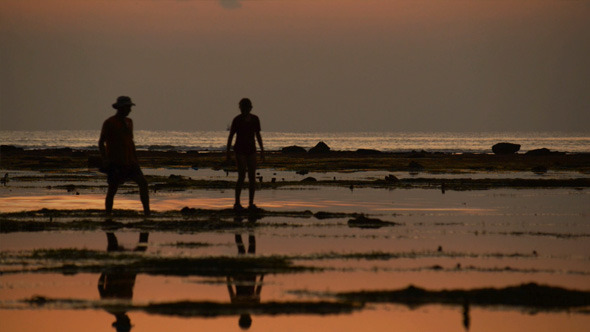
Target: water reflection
x=244, y=288
x=466, y=316
x=118, y=282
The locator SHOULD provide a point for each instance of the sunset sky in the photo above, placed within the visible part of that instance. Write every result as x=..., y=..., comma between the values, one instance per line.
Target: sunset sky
x=322, y=65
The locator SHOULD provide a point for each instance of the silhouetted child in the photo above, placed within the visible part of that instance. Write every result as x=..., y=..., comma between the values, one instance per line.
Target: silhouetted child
x=246, y=127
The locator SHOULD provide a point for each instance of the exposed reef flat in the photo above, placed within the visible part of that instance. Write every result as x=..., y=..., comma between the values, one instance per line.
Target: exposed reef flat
x=14, y=158
x=531, y=295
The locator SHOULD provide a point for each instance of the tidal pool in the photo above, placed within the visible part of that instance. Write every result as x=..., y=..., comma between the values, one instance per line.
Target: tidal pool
x=480, y=260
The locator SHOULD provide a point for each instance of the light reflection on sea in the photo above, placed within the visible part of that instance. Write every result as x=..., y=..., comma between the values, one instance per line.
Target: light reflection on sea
x=480, y=142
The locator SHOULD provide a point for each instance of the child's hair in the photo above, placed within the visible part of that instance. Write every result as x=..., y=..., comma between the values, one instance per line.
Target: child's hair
x=245, y=104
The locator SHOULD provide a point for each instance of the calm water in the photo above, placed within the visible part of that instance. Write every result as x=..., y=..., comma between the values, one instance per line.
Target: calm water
x=384, y=141
x=496, y=238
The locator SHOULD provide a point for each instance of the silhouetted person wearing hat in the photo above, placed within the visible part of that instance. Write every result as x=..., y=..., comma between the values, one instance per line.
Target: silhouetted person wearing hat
x=117, y=283
x=246, y=127
x=119, y=156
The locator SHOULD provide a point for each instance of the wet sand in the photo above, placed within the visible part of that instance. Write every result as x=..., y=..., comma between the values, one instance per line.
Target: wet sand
x=404, y=255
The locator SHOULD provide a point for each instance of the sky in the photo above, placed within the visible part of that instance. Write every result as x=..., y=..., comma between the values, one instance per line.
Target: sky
x=307, y=65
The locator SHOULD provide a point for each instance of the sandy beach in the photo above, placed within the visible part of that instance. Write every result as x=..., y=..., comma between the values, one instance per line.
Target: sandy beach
x=464, y=242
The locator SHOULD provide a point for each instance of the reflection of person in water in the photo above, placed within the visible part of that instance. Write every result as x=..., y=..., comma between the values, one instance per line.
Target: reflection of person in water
x=246, y=127
x=118, y=154
x=118, y=283
x=245, y=288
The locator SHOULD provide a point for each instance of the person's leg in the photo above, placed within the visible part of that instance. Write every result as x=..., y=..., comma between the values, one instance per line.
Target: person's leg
x=241, y=161
x=240, y=244
x=144, y=196
x=251, y=244
x=112, y=243
x=143, y=241
x=251, y=159
x=108, y=202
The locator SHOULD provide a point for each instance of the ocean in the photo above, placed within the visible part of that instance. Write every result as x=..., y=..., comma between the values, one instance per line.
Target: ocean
x=453, y=142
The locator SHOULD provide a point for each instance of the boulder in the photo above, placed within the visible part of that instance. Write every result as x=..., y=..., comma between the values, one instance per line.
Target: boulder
x=365, y=222
x=293, y=149
x=391, y=178
x=309, y=179
x=505, y=148
x=539, y=152
x=321, y=147
x=368, y=151
x=10, y=148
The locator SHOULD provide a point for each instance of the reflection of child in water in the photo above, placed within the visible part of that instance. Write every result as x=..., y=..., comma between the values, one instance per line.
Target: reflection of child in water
x=246, y=286
x=118, y=283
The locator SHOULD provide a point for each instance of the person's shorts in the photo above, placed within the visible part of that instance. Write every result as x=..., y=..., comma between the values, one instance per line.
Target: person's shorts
x=117, y=174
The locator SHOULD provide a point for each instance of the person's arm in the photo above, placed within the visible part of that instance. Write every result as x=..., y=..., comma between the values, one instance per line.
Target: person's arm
x=259, y=139
x=130, y=124
x=102, y=145
x=259, y=287
x=232, y=132
x=229, y=140
x=232, y=294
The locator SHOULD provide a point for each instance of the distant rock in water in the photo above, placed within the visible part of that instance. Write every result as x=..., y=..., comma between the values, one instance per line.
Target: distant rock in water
x=309, y=179
x=293, y=149
x=367, y=151
x=539, y=152
x=321, y=147
x=505, y=148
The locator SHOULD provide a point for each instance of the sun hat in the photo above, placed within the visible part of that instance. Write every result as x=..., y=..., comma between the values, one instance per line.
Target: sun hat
x=123, y=101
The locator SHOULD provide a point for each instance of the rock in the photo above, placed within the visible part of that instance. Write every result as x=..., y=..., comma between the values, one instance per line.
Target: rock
x=368, y=151
x=10, y=148
x=391, y=178
x=539, y=152
x=505, y=148
x=329, y=215
x=365, y=222
x=188, y=211
x=321, y=147
x=302, y=172
x=293, y=149
x=417, y=154
x=309, y=179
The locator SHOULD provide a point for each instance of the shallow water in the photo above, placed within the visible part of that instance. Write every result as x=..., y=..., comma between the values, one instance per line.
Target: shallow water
x=456, y=240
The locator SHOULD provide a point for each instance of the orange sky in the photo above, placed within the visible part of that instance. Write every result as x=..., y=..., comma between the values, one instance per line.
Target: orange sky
x=373, y=65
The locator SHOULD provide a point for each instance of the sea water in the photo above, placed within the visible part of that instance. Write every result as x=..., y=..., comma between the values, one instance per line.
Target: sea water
x=455, y=142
